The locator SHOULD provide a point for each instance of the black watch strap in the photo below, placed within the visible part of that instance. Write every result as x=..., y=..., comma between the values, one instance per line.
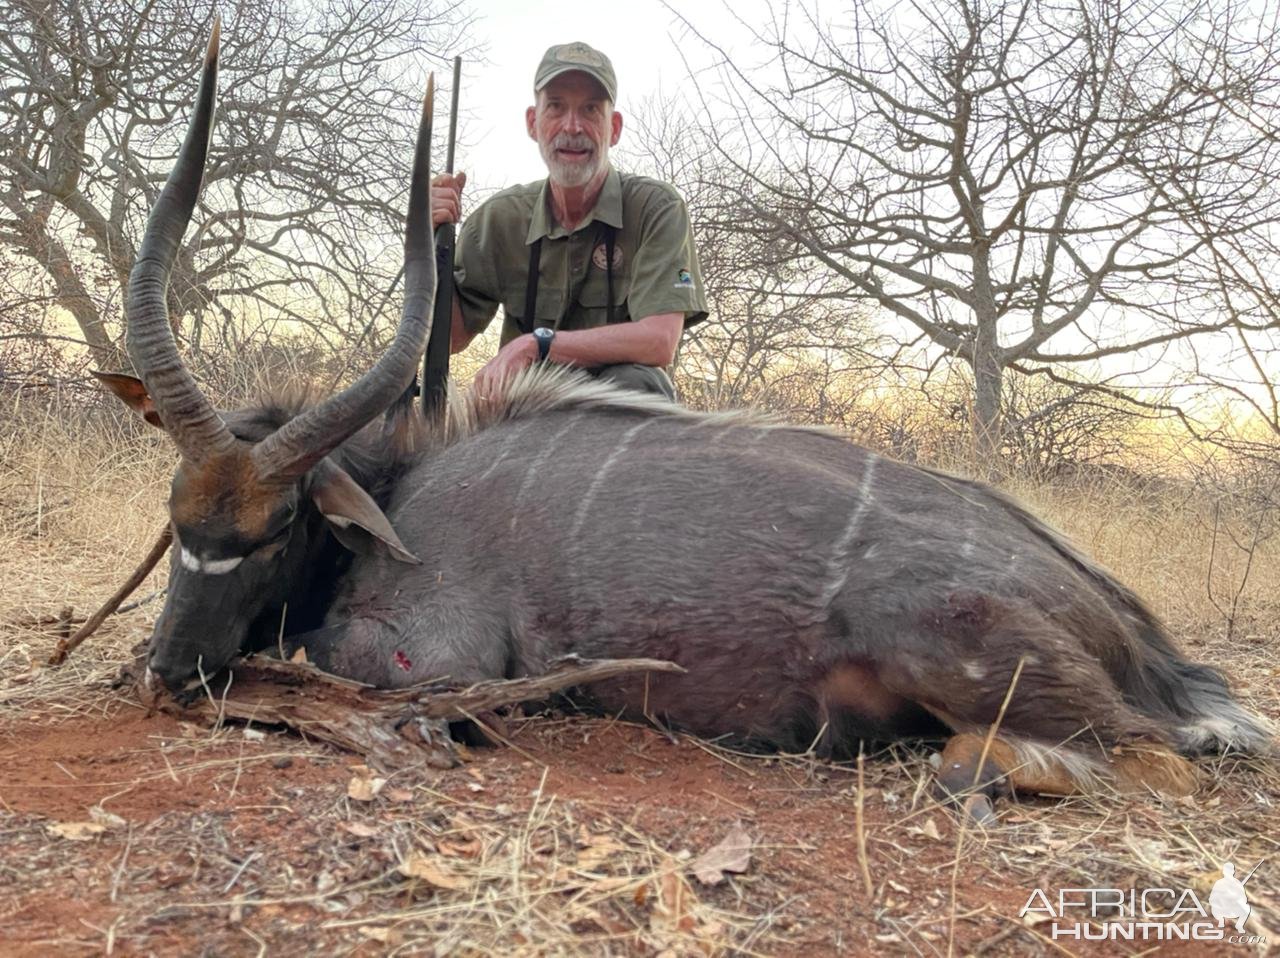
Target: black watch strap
x=544, y=335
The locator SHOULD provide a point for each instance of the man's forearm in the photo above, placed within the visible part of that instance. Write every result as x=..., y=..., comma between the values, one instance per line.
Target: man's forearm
x=650, y=341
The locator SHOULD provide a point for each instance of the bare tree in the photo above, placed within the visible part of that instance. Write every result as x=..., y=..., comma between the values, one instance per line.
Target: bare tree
x=1021, y=183
x=1246, y=366
x=781, y=333
x=314, y=135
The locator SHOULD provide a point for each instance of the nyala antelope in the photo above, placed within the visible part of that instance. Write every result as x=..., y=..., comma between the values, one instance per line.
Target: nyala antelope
x=817, y=595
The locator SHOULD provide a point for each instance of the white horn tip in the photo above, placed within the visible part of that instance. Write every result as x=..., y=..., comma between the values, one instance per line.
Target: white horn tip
x=215, y=39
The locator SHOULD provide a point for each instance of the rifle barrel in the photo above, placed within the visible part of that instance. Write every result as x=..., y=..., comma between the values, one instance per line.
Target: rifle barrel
x=453, y=113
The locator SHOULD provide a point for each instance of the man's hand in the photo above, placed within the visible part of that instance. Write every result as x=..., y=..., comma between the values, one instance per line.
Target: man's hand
x=518, y=354
x=446, y=198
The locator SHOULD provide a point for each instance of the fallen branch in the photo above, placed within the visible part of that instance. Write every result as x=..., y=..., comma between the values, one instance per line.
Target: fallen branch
x=390, y=728
x=66, y=617
x=65, y=646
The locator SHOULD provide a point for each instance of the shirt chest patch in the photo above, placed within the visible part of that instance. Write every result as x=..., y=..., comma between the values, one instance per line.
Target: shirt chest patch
x=600, y=257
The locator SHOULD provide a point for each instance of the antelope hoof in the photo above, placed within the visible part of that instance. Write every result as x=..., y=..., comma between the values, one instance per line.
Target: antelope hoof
x=960, y=780
x=978, y=809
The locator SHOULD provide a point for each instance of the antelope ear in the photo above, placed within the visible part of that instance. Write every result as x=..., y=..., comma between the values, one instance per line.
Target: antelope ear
x=354, y=518
x=133, y=394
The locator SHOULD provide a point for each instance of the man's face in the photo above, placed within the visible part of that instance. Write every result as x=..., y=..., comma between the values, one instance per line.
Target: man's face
x=574, y=124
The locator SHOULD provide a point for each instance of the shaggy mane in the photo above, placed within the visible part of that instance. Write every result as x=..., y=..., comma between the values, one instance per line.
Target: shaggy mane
x=274, y=408
x=542, y=389
x=373, y=456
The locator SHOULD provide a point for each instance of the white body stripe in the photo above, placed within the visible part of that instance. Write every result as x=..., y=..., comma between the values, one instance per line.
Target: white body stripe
x=581, y=515
x=838, y=563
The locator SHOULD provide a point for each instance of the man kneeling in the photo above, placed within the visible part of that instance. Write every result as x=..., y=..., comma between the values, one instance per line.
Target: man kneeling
x=593, y=268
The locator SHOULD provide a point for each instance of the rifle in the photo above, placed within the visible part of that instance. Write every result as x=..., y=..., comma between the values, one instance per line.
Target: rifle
x=435, y=365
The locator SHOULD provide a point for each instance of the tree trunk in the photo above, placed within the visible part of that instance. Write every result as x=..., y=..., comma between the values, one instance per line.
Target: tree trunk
x=988, y=380
x=72, y=296
x=988, y=372
x=38, y=242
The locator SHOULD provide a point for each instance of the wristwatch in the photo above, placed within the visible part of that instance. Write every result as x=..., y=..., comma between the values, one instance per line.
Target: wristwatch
x=543, y=336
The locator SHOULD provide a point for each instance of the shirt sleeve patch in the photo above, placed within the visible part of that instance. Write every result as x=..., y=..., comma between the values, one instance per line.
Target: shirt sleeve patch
x=683, y=279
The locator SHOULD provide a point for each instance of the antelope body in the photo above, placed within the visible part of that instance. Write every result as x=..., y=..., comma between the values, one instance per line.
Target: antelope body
x=816, y=594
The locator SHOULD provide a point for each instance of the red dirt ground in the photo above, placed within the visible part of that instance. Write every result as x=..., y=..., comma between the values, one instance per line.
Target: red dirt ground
x=214, y=828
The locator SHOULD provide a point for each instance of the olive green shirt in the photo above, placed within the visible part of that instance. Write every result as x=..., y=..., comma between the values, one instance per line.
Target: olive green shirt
x=655, y=265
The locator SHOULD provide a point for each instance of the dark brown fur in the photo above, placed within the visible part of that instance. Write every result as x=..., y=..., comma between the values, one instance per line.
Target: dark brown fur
x=817, y=594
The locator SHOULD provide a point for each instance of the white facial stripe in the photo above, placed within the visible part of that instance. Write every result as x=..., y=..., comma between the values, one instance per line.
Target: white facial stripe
x=221, y=566
x=207, y=566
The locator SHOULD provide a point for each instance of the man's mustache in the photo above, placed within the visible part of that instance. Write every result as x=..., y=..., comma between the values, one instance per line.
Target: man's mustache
x=568, y=141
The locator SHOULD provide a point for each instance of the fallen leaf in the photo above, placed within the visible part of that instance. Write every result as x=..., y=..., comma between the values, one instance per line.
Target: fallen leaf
x=360, y=829
x=299, y=657
x=673, y=905
x=604, y=922
x=106, y=819
x=431, y=870
x=731, y=854
x=398, y=794
x=76, y=831
x=928, y=830
x=364, y=785
x=468, y=849
x=599, y=849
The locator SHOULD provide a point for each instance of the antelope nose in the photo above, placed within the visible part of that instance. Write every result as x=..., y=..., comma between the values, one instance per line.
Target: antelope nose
x=168, y=670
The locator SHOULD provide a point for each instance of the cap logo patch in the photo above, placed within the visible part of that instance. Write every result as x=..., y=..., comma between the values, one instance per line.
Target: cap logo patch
x=579, y=53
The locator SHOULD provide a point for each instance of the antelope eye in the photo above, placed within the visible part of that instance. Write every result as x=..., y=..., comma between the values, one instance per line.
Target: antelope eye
x=282, y=530
x=272, y=548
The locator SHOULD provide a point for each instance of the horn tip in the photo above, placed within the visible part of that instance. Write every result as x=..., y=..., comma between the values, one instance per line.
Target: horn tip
x=429, y=100
x=215, y=38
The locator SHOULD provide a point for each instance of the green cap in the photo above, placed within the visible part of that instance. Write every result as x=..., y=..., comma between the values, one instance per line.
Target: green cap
x=567, y=57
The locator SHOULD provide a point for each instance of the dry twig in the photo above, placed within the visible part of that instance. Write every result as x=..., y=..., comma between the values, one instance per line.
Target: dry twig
x=391, y=728
x=66, y=646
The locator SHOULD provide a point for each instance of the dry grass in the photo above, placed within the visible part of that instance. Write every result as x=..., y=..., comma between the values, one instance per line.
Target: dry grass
x=81, y=498
x=421, y=871
x=516, y=866
x=1163, y=546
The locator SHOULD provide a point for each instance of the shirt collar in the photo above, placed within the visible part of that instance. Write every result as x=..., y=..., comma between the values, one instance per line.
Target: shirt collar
x=608, y=209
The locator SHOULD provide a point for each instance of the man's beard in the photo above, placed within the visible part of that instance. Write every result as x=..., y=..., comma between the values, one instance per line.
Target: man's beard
x=574, y=174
